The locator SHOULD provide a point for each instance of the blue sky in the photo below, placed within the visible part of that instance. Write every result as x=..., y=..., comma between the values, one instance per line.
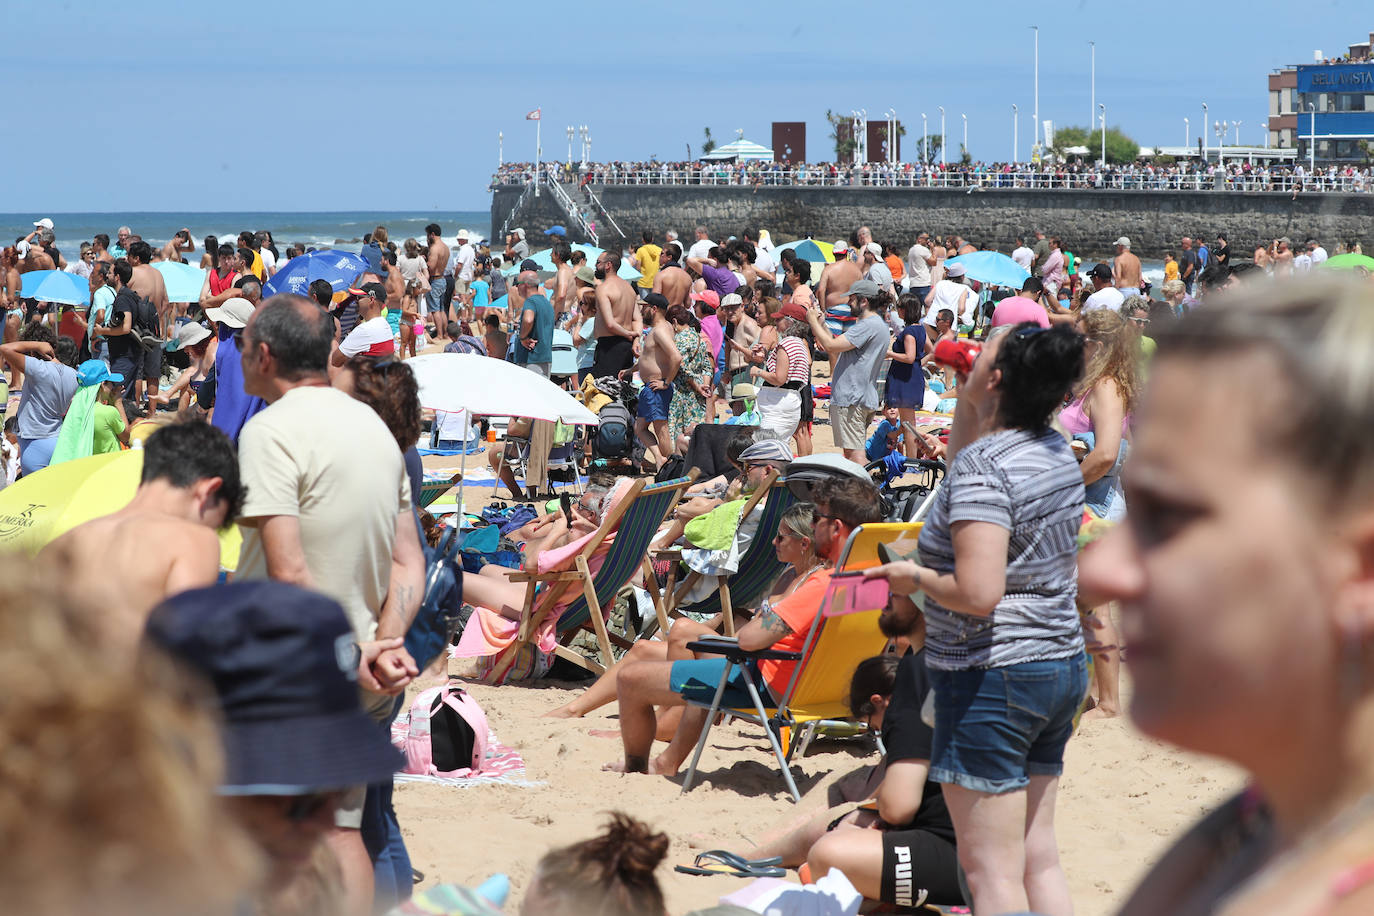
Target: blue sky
x=354, y=106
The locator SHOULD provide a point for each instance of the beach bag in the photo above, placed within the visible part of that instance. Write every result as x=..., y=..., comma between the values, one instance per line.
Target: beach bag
x=441, y=606
x=446, y=734
x=615, y=435
x=145, y=317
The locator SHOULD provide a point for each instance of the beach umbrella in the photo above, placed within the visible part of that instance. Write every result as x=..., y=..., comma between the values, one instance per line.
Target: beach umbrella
x=183, y=281
x=341, y=268
x=991, y=267
x=483, y=386
x=58, y=286
x=500, y=302
x=42, y=506
x=808, y=250
x=1350, y=261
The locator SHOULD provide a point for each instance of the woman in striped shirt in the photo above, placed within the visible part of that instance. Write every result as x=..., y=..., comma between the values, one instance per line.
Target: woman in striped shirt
x=782, y=366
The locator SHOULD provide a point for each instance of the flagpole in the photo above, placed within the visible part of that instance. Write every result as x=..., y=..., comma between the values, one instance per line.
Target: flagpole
x=538, y=123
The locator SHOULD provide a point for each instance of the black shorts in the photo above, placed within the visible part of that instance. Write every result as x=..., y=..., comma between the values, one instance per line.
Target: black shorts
x=614, y=354
x=917, y=862
x=808, y=408
x=152, y=364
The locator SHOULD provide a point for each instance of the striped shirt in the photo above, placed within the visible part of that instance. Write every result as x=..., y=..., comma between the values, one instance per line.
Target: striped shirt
x=798, y=359
x=1028, y=483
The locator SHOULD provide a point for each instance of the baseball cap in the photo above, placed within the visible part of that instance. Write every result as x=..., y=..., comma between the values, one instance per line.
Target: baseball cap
x=657, y=300
x=1018, y=309
x=188, y=335
x=874, y=249
x=43, y=223
x=1123, y=242
x=866, y=288
x=520, y=234
x=1100, y=270
x=283, y=663
x=708, y=296
x=233, y=312
x=556, y=230
x=840, y=247
x=93, y=372
x=375, y=290
x=531, y=264
x=766, y=450
x=793, y=310
x=954, y=270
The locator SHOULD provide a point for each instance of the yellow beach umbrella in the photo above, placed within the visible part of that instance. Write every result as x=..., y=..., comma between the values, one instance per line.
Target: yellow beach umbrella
x=41, y=507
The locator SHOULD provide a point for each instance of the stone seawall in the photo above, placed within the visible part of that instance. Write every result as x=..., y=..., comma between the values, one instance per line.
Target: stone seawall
x=1086, y=221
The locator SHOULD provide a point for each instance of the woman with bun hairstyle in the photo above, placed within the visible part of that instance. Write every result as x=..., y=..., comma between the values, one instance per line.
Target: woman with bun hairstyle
x=997, y=564
x=608, y=875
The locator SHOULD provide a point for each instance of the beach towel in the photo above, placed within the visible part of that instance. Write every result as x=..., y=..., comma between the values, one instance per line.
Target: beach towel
x=501, y=765
x=488, y=632
x=723, y=561
x=76, y=438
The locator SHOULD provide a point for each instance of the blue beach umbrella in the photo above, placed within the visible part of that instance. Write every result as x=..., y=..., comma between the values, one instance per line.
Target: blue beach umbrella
x=808, y=250
x=58, y=286
x=183, y=281
x=992, y=267
x=341, y=268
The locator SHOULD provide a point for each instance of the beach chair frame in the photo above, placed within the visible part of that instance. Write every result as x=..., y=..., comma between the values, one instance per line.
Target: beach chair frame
x=628, y=554
x=785, y=718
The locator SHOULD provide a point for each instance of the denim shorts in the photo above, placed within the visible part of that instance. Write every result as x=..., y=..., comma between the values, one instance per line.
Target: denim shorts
x=996, y=727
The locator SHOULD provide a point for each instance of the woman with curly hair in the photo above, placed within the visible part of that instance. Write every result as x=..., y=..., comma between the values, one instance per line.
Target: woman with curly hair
x=610, y=875
x=388, y=386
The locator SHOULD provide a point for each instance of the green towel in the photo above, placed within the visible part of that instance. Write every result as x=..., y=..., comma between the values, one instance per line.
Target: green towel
x=716, y=529
x=76, y=439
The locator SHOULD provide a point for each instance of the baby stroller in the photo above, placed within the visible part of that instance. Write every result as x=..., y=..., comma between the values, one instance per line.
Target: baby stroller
x=909, y=502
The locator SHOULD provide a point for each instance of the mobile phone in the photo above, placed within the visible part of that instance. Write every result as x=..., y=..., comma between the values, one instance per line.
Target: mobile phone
x=565, y=503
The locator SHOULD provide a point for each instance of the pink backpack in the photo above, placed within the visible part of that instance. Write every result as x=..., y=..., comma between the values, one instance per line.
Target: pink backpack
x=445, y=734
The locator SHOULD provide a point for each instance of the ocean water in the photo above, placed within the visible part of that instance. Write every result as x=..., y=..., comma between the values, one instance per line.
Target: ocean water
x=343, y=229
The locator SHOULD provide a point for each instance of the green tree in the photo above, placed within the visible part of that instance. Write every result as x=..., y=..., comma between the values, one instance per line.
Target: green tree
x=844, y=140
x=933, y=144
x=1120, y=148
x=709, y=143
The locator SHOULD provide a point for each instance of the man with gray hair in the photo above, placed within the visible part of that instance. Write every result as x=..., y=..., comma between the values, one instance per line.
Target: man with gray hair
x=534, y=343
x=701, y=248
x=328, y=508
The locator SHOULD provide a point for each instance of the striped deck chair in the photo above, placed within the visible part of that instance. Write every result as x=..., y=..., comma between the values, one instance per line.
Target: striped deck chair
x=434, y=487
x=638, y=517
x=758, y=568
x=840, y=637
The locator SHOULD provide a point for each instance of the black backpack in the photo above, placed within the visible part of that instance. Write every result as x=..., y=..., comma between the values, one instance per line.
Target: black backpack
x=615, y=436
x=145, y=317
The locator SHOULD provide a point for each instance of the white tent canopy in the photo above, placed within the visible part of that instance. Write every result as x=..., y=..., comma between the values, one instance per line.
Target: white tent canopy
x=741, y=149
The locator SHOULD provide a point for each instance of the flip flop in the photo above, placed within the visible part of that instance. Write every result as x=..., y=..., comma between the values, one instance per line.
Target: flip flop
x=723, y=862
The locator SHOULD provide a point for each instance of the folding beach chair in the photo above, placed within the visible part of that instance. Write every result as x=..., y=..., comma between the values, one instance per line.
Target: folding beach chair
x=758, y=567
x=840, y=637
x=639, y=516
x=434, y=487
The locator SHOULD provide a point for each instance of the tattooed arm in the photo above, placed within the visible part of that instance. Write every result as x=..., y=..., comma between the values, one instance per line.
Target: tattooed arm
x=394, y=667
x=765, y=629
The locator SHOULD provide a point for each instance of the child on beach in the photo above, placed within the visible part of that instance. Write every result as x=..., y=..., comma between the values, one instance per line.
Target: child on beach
x=886, y=438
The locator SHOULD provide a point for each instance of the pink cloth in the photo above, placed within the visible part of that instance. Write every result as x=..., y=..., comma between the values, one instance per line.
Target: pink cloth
x=710, y=326
x=1018, y=309
x=489, y=632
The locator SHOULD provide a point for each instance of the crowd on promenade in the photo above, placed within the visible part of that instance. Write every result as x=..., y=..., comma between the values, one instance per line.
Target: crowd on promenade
x=191, y=744
x=1076, y=174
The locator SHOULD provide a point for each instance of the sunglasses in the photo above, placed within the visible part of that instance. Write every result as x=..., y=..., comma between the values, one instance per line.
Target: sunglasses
x=1140, y=321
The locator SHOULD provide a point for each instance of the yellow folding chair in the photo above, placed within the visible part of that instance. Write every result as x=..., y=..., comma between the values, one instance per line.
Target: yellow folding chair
x=841, y=635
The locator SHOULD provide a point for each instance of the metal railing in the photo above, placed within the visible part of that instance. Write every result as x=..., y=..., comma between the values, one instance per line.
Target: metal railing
x=511, y=213
x=596, y=202
x=1235, y=179
x=574, y=212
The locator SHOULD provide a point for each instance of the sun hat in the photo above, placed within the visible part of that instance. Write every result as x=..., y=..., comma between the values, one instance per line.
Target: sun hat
x=188, y=335
x=741, y=390
x=767, y=450
x=586, y=275
x=954, y=270
x=233, y=312
x=93, y=372
x=283, y=663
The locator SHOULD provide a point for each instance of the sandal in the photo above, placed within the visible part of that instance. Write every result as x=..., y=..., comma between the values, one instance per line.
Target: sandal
x=723, y=862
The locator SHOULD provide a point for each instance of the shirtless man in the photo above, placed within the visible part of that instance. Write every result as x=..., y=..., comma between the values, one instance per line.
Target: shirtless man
x=100, y=248
x=179, y=243
x=674, y=283
x=618, y=322
x=658, y=366
x=436, y=261
x=836, y=279
x=740, y=344
x=147, y=281
x=563, y=291
x=1126, y=269
x=189, y=489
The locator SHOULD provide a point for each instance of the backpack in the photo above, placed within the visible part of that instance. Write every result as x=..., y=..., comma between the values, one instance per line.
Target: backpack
x=445, y=733
x=441, y=605
x=615, y=436
x=145, y=317
x=498, y=284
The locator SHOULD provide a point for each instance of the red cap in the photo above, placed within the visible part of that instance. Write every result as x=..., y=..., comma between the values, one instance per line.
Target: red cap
x=708, y=296
x=793, y=310
x=957, y=354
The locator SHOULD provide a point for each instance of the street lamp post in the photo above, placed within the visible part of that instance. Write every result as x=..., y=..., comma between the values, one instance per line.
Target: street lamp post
x=1312, y=139
x=589, y=143
x=570, y=136
x=500, y=148
x=1187, y=139
x=585, y=135
x=1015, y=125
x=1102, y=110
x=964, y=151
x=1203, y=135
x=891, y=116
x=863, y=134
x=942, y=134
x=1092, y=82
x=1236, y=125
x=925, y=147
x=1035, y=137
